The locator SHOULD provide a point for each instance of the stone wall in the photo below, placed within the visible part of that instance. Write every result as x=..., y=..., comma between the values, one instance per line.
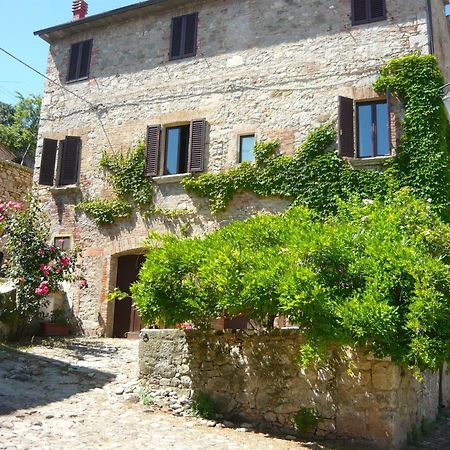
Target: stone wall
x=15, y=181
x=254, y=377
x=277, y=73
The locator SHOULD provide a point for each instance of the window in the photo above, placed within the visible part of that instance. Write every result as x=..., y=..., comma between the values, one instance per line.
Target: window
x=364, y=128
x=184, y=149
x=246, y=146
x=177, y=149
x=80, y=59
x=60, y=161
x=62, y=242
x=366, y=11
x=183, y=39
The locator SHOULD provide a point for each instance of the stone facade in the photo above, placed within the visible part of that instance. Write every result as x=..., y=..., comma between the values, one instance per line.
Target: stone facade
x=276, y=73
x=15, y=181
x=254, y=377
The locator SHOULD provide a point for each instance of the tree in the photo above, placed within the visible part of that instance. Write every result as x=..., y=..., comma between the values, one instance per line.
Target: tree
x=19, y=124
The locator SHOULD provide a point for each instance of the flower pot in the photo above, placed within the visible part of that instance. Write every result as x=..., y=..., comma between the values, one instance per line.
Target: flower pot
x=54, y=329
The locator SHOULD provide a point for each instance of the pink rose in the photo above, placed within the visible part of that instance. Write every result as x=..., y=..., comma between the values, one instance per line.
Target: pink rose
x=42, y=289
x=52, y=248
x=65, y=261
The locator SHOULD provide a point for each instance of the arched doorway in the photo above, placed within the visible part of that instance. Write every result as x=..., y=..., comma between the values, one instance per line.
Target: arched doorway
x=127, y=322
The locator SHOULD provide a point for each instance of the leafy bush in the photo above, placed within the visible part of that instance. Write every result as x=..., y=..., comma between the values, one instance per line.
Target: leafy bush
x=306, y=420
x=375, y=275
x=204, y=406
x=35, y=266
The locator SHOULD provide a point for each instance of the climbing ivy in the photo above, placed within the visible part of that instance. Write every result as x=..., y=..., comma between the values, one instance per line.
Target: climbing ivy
x=315, y=176
x=130, y=186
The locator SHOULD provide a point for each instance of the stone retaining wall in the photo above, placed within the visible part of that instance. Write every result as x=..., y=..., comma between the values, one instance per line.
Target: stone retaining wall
x=254, y=377
x=15, y=181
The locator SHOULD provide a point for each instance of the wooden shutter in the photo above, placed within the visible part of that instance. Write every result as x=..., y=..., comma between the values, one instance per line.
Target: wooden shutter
x=377, y=9
x=346, y=127
x=197, y=145
x=75, y=50
x=190, y=38
x=152, y=144
x=360, y=13
x=70, y=161
x=176, y=37
x=85, y=59
x=48, y=159
x=389, y=111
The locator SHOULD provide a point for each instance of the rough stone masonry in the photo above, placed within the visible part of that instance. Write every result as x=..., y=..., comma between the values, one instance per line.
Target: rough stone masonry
x=255, y=377
x=272, y=68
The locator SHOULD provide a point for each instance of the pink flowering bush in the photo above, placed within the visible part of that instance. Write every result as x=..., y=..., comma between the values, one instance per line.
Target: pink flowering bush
x=36, y=266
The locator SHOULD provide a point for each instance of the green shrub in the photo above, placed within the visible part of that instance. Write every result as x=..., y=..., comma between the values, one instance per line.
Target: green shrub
x=375, y=275
x=204, y=406
x=306, y=420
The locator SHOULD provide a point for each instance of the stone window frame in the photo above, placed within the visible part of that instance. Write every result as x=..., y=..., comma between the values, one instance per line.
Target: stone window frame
x=58, y=236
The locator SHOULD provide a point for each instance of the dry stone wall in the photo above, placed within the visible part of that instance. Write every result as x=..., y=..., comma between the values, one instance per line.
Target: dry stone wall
x=254, y=377
x=15, y=181
x=273, y=68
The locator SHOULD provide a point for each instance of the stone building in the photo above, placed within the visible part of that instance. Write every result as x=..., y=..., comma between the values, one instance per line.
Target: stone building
x=199, y=81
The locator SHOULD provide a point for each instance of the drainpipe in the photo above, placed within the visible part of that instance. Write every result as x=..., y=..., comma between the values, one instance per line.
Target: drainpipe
x=430, y=28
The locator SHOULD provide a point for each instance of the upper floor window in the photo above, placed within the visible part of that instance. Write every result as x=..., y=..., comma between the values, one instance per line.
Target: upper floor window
x=184, y=149
x=183, y=39
x=364, y=128
x=60, y=161
x=246, y=146
x=80, y=60
x=366, y=11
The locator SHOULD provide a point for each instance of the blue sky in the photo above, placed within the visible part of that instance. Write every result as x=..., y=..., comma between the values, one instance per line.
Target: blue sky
x=19, y=18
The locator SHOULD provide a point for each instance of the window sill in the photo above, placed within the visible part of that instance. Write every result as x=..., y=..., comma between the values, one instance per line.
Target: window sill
x=69, y=189
x=76, y=80
x=167, y=179
x=375, y=161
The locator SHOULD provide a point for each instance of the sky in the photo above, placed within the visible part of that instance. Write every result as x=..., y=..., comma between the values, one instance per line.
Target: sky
x=18, y=20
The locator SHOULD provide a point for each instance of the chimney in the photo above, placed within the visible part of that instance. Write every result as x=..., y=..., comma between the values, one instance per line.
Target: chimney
x=79, y=9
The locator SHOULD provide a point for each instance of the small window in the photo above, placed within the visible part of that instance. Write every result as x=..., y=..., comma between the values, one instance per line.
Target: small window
x=62, y=242
x=366, y=11
x=246, y=146
x=183, y=152
x=80, y=60
x=183, y=39
x=364, y=128
x=62, y=157
x=372, y=129
x=177, y=150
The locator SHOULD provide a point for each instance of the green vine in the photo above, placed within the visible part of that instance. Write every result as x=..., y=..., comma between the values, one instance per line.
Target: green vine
x=315, y=176
x=130, y=186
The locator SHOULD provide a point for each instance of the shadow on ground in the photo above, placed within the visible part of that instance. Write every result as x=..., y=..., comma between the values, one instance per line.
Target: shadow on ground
x=28, y=380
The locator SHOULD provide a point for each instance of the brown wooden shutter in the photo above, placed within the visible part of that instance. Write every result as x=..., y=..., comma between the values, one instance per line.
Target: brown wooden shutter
x=377, y=9
x=48, y=159
x=70, y=161
x=190, y=38
x=152, y=145
x=346, y=127
x=197, y=145
x=360, y=13
x=176, y=37
x=389, y=111
x=75, y=50
x=85, y=59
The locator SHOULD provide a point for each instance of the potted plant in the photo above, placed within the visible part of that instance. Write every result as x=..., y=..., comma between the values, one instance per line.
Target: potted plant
x=58, y=325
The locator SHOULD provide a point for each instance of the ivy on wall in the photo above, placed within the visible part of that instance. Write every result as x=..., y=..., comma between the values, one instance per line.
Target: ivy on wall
x=315, y=175
x=316, y=178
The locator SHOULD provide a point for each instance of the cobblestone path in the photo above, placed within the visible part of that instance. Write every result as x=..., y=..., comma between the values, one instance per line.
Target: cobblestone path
x=76, y=395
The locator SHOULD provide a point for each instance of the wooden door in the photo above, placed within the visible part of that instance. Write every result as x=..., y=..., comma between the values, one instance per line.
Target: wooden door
x=126, y=318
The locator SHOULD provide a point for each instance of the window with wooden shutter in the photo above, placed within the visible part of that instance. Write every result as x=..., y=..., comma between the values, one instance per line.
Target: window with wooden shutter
x=152, y=144
x=346, y=127
x=48, y=160
x=366, y=11
x=80, y=60
x=70, y=161
x=183, y=39
x=197, y=145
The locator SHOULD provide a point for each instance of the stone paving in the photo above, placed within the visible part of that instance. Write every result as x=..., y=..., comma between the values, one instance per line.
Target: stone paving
x=83, y=393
